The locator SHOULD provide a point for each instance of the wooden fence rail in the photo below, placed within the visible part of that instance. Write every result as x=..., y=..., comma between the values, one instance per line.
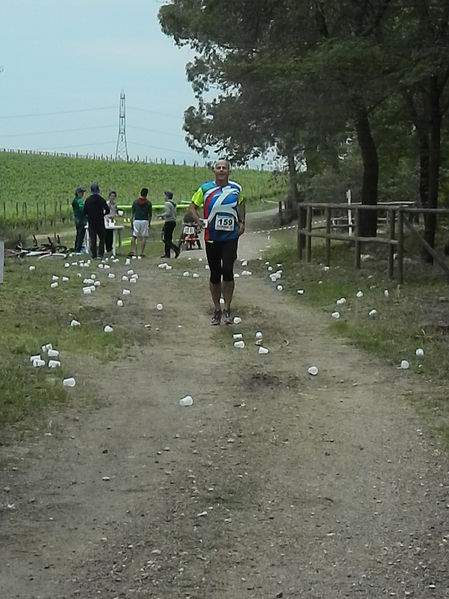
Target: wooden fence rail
x=394, y=218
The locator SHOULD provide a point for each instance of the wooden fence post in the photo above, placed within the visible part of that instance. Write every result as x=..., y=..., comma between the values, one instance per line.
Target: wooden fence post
x=300, y=235
x=357, y=238
x=401, y=245
x=391, y=227
x=328, y=231
x=309, y=237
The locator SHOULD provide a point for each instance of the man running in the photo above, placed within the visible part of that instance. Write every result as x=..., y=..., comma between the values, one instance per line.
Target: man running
x=224, y=218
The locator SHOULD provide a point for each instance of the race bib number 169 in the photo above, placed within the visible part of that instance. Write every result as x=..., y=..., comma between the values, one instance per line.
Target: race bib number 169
x=224, y=223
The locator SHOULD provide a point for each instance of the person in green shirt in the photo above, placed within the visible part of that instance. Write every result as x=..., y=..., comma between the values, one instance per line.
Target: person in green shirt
x=141, y=213
x=80, y=219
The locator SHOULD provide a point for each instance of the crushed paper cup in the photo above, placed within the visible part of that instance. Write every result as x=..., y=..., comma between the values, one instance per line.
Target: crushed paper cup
x=300, y=291
x=372, y=313
x=69, y=382
x=237, y=320
x=38, y=363
x=126, y=292
x=419, y=352
x=263, y=350
x=75, y=323
x=279, y=287
x=54, y=363
x=259, y=335
x=65, y=279
x=46, y=347
x=313, y=370
x=108, y=329
x=93, y=276
x=186, y=274
x=186, y=401
x=119, y=302
x=244, y=262
x=31, y=267
x=159, y=307
x=111, y=275
x=239, y=344
x=130, y=272
x=67, y=265
x=35, y=357
x=335, y=315
x=97, y=284
x=101, y=265
x=386, y=293
x=237, y=336
x=405, y=365
x=87, y=290
x=125, y=278
x=55, y=278
x=54, y=285
x=53, y=353
x=341, y=301
x=359, y=294
x=196, y=275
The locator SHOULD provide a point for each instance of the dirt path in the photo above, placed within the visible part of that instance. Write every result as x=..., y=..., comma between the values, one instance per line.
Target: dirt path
x=273, y=484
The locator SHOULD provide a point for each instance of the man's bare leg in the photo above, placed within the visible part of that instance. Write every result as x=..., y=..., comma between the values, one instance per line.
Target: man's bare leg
x=143, y=243
x=215, y=291
x=228, y=292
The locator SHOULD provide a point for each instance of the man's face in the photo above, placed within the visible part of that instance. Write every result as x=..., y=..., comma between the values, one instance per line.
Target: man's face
x=221, y=171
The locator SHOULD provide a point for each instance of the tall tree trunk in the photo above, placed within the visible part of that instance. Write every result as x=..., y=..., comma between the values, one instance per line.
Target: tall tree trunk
x=368, y=218
x=293, y=193
x=430, y=220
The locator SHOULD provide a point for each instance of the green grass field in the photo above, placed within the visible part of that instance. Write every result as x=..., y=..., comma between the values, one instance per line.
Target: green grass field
x=40, y=188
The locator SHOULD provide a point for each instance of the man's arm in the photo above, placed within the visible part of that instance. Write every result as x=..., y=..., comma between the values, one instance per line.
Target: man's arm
x=192, y=211
x=241, y=215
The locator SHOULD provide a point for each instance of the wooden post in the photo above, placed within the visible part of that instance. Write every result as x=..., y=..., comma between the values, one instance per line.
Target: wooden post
x=357, y=238
x=328, y=239
x=401, y=245
x=391, y=214
x=299, y=234
x=309, y=237
x=2, y=259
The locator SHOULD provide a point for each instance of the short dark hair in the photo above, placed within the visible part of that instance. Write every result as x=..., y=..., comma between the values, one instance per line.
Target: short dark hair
x=144, y=192
x=112, y=191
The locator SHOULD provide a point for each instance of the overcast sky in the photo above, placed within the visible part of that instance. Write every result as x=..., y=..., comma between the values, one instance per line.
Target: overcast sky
x=65, y=63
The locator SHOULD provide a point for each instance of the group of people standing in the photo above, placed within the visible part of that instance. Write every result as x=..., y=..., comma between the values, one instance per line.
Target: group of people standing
x=223, y=221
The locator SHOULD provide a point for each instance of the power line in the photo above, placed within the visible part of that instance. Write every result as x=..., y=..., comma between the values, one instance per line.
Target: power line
x=22, y=116
x=156, y=131
x=171, y=116
x=57, y=131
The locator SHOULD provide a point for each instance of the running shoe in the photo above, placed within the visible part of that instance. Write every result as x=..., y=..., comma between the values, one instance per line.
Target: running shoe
x=216, y=317
x=227, y=318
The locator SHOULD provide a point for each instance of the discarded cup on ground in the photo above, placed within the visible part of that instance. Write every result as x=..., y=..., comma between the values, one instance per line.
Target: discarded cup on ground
x=335, y=315
x=119, y=302
x=159, y=307
x=279, y=288
x=108, y=329
x=239, y=344
x=259, y=335
x=38, y=363
x=186, y=401
x=263, y=350
x=359, y=294
x=237, y=336
x=237, y=320
x=111, y=275
x=126, y=292
x=54, y=363
x=75, y=323
x=419, y=352
x=35, y=357
x=65, y=279
x=405, y=365
x=300, y=292
x=313, y=370
x=186, y=274
x=372, y=313
x=46, y=347
x=55, y=278
x=87, y=290
x=54, y=285
x=31, y=268
x=53, y=353
x=69, y=382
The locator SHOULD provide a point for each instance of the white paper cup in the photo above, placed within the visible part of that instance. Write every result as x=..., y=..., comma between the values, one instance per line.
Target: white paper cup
x=239, y=344
x=313, y=370
x=69, y=382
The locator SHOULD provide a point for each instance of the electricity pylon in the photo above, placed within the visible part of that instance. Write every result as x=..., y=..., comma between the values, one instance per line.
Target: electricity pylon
x=121, y=151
